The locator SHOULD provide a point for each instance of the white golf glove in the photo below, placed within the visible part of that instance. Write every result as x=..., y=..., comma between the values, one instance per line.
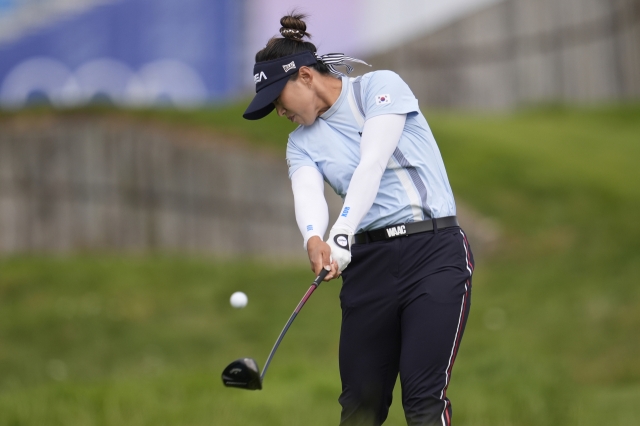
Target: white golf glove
x=340, y=241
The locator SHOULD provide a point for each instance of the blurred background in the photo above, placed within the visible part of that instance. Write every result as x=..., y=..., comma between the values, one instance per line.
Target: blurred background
x=134, y=200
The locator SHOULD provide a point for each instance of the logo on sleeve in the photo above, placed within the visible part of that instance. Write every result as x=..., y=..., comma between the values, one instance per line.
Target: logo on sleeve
x=383, y=99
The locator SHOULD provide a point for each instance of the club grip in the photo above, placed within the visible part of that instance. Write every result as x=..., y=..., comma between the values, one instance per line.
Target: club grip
x=323, y=273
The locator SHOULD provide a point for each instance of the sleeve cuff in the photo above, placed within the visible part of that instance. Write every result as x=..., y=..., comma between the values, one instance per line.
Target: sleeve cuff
x=308, y=237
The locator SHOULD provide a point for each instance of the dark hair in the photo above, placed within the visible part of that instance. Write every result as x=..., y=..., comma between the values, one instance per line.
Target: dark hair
x=293, y=31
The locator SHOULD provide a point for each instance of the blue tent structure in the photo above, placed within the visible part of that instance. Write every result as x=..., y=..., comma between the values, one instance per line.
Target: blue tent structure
x=138, y=52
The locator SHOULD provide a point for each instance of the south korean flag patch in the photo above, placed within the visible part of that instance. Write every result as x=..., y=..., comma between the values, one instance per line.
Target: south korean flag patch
x=383, y=99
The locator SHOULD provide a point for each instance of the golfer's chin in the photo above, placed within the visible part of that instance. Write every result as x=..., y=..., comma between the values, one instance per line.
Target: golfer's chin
x=304, y=122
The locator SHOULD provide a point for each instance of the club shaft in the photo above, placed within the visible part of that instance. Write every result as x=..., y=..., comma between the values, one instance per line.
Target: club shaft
x=314, y=285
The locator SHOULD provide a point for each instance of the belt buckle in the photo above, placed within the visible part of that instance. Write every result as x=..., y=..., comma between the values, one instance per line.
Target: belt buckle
x=396, y=231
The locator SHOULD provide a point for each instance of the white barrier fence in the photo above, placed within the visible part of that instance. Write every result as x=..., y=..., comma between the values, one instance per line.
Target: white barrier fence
x=74, y=183
x=68, y=184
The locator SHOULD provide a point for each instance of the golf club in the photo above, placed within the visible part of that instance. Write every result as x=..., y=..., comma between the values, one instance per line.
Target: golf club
x=244, y=373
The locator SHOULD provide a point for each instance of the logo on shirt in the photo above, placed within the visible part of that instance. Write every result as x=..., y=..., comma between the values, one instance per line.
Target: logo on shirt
x=395, y=231
x=258, y=77
x=383, y=99
x=345, y=212
x=289, y=66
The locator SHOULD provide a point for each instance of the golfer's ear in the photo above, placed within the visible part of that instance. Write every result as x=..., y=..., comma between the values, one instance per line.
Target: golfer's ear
x=305, y=74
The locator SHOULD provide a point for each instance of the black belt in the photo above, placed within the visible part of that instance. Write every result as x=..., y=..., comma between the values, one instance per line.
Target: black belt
x=404, y=229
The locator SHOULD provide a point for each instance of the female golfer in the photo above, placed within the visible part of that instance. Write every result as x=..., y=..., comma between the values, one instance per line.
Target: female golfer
x=405, y=262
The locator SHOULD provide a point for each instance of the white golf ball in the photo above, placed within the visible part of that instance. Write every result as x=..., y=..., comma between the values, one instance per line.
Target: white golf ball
x=239, y=299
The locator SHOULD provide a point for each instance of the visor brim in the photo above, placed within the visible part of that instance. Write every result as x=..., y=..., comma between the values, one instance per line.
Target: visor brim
x=262, y=103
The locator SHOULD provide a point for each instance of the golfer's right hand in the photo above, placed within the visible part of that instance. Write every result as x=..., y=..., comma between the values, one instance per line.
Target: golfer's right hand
x=320, y=257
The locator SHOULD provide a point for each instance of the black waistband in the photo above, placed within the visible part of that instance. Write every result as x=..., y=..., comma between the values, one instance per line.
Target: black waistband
x=404, y=229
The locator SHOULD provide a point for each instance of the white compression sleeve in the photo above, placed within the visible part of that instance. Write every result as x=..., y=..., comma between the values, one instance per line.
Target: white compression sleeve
x=312, y=212
x=380, y=138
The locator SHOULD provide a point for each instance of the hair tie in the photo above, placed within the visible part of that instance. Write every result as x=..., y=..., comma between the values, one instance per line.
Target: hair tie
x=332, y=60
x=292, y=33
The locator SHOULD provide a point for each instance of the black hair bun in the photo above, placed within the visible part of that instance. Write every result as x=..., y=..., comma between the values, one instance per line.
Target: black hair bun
x=293, y=27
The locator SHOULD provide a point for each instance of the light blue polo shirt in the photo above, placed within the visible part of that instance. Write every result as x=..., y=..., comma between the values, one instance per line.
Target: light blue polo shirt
x=414, y=185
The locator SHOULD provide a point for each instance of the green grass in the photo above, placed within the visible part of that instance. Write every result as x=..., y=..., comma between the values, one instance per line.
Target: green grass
x=116, y=340
x=552, y=337
x=564, y=186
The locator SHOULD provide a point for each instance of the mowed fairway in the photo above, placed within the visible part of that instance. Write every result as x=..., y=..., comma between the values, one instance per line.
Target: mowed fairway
x=553, y=336
x=142, y=341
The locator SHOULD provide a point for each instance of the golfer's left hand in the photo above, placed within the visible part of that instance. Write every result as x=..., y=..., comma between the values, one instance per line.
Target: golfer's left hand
x=320, y=258
x=340, y=241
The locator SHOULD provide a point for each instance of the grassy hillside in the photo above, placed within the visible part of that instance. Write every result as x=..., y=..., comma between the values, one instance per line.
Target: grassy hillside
x=564, y=185
x=552, y=337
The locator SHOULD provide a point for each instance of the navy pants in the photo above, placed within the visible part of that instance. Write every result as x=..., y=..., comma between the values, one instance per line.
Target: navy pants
x=405, y=303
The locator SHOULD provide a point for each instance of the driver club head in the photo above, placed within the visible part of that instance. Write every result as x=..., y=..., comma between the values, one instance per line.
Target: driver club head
x=242, y=373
